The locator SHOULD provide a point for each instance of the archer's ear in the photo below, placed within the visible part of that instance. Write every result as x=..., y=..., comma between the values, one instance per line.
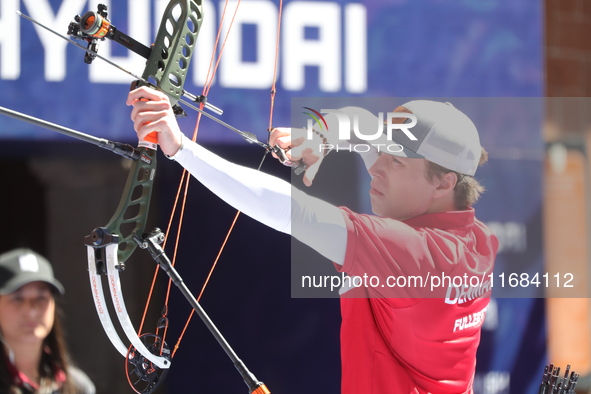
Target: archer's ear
x=446, y=184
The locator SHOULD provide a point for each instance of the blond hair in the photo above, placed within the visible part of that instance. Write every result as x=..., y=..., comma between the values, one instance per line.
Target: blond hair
x=467, y=189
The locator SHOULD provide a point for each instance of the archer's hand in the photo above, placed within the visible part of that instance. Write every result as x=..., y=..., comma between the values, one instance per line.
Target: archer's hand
x=298, y=148
x=152, y=112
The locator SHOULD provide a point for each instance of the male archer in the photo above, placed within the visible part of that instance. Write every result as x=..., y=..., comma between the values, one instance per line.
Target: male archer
x=393, y=341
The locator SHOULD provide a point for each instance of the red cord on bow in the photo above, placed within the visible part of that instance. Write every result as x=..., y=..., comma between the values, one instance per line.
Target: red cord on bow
x=185, y=178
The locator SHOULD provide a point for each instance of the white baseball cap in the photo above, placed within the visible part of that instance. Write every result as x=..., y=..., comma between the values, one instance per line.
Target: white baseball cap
x=444, y=136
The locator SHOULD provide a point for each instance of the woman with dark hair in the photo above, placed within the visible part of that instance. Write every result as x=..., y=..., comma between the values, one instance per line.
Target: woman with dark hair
x=33, y=355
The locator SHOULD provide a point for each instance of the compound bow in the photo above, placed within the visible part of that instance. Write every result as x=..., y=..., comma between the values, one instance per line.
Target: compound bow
x=110, y=246
x=166, y=70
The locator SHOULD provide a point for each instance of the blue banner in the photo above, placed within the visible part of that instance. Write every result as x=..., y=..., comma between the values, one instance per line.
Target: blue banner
x=372, y=48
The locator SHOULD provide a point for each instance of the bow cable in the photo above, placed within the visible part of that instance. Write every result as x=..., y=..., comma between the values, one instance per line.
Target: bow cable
x=237, y=215
x=185, y=180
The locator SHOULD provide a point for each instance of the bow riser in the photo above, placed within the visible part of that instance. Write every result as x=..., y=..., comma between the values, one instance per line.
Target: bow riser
x=173, y=49
x=132, y=213
x=166, y=69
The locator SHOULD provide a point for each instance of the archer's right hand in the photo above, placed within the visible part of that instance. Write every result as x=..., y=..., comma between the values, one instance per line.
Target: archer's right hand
x=298, y=148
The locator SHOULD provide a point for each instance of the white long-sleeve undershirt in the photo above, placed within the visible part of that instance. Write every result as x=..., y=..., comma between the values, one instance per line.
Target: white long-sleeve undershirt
x=269, y=200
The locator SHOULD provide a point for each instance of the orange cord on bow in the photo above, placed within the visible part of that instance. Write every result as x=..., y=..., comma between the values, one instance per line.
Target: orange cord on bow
x=185, y=178
x=209, y=82
x=274, y=84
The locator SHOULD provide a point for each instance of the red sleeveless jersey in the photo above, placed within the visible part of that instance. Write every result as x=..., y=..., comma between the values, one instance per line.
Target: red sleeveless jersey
x=420, y=288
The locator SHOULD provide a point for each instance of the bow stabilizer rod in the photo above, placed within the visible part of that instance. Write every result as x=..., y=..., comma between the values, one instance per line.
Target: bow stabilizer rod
x=119, y=148
x=152, y=242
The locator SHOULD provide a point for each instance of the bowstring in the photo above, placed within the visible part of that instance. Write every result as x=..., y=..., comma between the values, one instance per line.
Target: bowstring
x=238, y=212
x=185, y=178
x=207, y=87
x=275, y=67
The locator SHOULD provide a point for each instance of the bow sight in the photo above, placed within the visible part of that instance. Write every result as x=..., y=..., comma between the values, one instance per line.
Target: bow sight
x=167, y=59
x=94, y=27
